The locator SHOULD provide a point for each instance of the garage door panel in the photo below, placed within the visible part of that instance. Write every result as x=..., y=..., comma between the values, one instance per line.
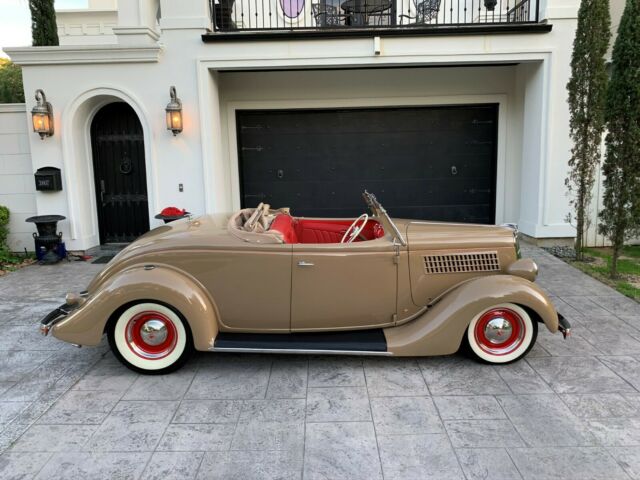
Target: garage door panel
x=432, y=163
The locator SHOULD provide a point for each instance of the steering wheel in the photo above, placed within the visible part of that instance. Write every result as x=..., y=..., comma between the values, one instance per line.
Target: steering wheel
x=356, y=230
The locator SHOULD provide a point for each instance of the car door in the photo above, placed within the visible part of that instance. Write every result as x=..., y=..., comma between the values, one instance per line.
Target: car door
x=343, y=286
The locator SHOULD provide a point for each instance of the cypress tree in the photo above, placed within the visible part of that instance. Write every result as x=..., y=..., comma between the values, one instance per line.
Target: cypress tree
x=587, y=95
x=621, y=213
x=44, y=30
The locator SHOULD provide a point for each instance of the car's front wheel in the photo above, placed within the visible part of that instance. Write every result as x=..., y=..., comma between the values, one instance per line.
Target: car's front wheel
x=150, y=338
x=501, y=334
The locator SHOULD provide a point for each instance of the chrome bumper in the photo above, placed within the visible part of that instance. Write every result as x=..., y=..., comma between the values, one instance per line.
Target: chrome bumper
x=564, y=326
x=54, y=317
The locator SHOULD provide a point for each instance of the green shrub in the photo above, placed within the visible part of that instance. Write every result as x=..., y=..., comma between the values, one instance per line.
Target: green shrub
x=4, y=229
x=11, y=90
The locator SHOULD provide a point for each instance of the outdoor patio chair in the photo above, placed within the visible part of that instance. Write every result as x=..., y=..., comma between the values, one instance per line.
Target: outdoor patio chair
x=327, y=15
x=426, y=10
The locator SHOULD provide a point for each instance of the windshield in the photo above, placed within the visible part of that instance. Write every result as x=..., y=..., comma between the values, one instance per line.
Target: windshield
x=377, y=210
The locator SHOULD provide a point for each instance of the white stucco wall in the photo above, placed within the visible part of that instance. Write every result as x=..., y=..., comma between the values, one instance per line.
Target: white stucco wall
x=212, y=79
x=17, y=187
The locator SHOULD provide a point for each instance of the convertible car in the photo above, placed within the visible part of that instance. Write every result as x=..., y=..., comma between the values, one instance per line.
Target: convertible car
x=262, y=280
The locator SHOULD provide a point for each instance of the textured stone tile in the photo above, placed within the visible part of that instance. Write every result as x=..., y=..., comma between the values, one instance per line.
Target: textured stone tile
x=81, y=407
x=482, y=433
x=25, y=337
x=256, y=465
x=22, y=465
x=617, y=304
x=461, y=376
x=161, y=387
x=172, y=466
x=574, y=346
x=629, y=459
x=133, y=427
x=10, y=433
x=338, y=404
x=387, y=377
x=561, y=431
x=521, y=378
x=614, y=343
x=36, y=409
x=54, y=438
x=341, y=451
x=537, y=351
x=609, y=324
x=31, y=387
x=94, y=466
x=17, y=363
x=107, y=377
x=336, y=372
x=405, y=416
x=487, y=463
x=274, y=424
x=10, y=410
x=616, y=431
x=626, y=367
x=4, y=386
x=231, y=377
x=288, y=378
x=533, y=406
x=208, y=411
x=194, y=437
x=578, y=375
x=571, y=463
x=599, y=405
x=419, y=457
x=475, y=407
x=586, y=305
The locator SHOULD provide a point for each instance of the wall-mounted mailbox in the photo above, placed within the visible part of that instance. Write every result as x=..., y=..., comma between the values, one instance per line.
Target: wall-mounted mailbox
x=48, y=179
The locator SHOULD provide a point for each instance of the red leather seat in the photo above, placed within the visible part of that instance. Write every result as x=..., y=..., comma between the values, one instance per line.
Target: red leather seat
x=285, y=225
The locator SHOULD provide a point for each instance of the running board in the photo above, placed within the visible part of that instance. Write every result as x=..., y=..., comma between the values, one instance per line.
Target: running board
x=358, y=342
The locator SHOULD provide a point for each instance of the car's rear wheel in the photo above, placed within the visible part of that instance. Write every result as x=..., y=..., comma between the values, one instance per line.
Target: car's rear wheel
x=501, y=334
x=150, y=338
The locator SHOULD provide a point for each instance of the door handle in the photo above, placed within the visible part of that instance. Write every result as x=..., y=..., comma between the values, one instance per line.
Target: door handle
x=102, y=191
x=302, y=263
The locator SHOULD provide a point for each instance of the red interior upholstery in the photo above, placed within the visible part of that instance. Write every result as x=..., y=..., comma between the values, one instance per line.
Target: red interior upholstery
x=285, y=225
x=301, y=230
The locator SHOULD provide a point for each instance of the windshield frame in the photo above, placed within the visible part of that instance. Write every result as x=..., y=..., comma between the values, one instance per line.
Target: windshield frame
x=377, y=210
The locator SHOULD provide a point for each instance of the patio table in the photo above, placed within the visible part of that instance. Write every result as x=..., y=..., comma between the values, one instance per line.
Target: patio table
x=358, y=10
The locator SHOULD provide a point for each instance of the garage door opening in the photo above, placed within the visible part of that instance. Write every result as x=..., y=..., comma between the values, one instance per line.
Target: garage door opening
x=432, y=163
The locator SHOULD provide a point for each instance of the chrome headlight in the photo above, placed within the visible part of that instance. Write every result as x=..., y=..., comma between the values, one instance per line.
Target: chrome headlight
x=516, y=238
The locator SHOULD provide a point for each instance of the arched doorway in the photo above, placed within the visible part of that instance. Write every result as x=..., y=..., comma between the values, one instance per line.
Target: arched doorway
x=117, y=144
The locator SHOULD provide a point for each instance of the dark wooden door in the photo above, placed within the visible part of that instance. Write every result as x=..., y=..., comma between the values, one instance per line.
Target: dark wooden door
x=435, y=163
x=119, y=172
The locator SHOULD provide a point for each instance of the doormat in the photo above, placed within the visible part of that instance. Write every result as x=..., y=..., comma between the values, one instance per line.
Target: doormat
x=103, y=259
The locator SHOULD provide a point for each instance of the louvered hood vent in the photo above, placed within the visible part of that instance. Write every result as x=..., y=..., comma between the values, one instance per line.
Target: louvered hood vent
x=462, y=262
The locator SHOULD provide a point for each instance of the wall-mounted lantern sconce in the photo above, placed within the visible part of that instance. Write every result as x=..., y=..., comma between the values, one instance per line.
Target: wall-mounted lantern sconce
x=42, y=116
x=174, y=112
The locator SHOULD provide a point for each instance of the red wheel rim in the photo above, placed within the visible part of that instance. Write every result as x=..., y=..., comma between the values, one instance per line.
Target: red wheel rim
x=151, y=335
x=499, y=331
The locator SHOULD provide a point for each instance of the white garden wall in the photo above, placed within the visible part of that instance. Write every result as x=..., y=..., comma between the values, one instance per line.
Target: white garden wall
x=17, y=190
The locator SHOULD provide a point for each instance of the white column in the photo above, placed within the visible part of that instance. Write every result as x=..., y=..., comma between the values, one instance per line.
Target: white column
x=137, y=22
x=186, y=14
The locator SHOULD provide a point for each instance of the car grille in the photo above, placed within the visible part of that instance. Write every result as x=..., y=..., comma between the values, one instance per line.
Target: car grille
x=462, y=262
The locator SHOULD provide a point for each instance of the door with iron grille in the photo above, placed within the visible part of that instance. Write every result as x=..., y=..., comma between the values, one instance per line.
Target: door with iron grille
x=119, y=171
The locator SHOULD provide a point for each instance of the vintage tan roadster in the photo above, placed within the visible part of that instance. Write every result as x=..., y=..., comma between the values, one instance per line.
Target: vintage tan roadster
x=262, y=280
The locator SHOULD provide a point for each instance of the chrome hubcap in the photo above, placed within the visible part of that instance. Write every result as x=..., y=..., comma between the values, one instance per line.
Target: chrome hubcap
x=153, y=332
x=498, y=330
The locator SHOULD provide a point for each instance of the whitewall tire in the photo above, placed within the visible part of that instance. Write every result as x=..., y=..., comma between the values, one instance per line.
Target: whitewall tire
x=150, y=338
x=501, y=334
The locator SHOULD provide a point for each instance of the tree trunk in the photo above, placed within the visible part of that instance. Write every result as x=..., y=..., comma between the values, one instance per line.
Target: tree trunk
x=580, y=226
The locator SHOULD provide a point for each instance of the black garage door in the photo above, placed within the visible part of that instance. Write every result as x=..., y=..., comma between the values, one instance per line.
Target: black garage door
x=436, y=163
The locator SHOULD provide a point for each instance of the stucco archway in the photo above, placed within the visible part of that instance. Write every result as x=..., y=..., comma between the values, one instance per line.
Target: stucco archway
x=78, y=165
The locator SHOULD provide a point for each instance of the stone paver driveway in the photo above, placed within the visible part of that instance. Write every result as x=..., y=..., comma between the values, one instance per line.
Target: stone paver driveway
x=571, y=410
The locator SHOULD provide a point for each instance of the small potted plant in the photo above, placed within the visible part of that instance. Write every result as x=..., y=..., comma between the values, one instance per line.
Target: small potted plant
x=490, y=5
x=170, y=214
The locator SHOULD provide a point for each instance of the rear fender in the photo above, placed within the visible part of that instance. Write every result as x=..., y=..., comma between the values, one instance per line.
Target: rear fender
x=161, y=283
x=439, y=331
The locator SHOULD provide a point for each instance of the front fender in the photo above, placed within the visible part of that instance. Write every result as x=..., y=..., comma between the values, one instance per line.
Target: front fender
x=439, y=331
x=161, y=283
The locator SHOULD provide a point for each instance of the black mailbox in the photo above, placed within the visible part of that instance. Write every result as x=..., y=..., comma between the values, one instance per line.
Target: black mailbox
x=48, y=179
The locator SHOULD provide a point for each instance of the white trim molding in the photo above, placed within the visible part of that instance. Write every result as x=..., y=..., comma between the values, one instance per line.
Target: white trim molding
x=13, y=107
x=84, y=54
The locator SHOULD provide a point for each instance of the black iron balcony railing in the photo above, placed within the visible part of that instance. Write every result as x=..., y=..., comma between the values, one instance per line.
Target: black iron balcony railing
x=343, y=15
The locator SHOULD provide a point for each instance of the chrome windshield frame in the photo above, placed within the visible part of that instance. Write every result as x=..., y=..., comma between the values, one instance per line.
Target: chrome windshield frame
x=378, y=210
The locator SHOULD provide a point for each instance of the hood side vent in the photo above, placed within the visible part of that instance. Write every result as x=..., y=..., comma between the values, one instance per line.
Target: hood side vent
x=462, y=262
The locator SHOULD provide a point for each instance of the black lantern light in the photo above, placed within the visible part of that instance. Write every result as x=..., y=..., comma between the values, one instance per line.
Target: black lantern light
x=42, y=116
x=174, y=112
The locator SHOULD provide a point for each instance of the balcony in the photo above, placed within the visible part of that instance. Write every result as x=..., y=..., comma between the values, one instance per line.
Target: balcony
x=268, y=19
